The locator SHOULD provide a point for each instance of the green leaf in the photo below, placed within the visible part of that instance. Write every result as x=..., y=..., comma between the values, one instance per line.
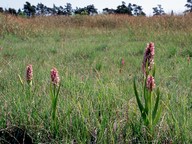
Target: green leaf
x=149, y=104
x=58, y=91
x=56, y=97
x=145, y=92
x=154, y=70
x=146, y=69
x=51, y=92
x=157, y=116
x=20, y=79
x=156, y=104
x=141, y=108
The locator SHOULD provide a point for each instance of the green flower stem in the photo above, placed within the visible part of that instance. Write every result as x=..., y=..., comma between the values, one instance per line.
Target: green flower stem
x=150, y=111
x=54, y=92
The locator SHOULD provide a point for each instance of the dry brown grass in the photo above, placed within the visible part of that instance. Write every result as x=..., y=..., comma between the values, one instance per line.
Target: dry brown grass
x=25, y=27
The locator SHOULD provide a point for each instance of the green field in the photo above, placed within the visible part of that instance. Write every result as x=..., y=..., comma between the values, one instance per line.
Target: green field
x=96, y=102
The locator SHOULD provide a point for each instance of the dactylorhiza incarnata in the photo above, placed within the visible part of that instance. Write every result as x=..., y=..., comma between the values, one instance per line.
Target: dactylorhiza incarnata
x=150, y=83
x=148, y=59
x=29, y=74
x=55, y=77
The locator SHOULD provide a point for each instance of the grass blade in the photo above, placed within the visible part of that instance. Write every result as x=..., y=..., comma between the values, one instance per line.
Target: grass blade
x=156, y=104
x=141, y=108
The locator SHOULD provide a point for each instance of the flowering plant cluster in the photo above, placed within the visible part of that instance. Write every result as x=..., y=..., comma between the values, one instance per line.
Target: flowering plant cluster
x=150, y=110
x=54, y=91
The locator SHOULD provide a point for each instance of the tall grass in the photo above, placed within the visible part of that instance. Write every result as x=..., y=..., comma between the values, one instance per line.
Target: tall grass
x=96, y=102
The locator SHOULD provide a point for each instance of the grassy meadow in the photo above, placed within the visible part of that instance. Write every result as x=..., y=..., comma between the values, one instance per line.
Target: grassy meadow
x=96, y=103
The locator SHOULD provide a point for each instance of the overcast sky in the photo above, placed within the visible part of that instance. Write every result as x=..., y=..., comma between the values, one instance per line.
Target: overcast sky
x=147, y=5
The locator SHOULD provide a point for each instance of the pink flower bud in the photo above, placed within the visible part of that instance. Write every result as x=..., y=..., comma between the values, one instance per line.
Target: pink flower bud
x=150, y=84
x=148, y=59
x=55, y=76
x=29, y=73
x=122, y=62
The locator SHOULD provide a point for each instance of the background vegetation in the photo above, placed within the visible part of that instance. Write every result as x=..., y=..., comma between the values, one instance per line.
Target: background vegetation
x=96, y=103
x=130, y=9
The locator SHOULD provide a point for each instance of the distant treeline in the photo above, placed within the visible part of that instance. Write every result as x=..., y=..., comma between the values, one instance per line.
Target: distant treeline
x=40, y=9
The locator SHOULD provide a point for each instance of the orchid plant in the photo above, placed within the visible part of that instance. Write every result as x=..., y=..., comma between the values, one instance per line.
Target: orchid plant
x=29, y=80
x=150, y=109
x=54, y=92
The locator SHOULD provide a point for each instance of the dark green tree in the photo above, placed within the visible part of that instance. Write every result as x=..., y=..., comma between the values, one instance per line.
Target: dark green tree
x=123, y=9
x=20, y=13
x=88, y=10
x=41, y=9
x=80, y=11
x=54, y=10
x=108, y=11
x=29, y=9
x=189, y=6
x=59, y=10
x=12, y=11
x=49, y=11
x=91, y=10
x=68, y=9
x=1, y=10
x=158, y=10
x=137, y=10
